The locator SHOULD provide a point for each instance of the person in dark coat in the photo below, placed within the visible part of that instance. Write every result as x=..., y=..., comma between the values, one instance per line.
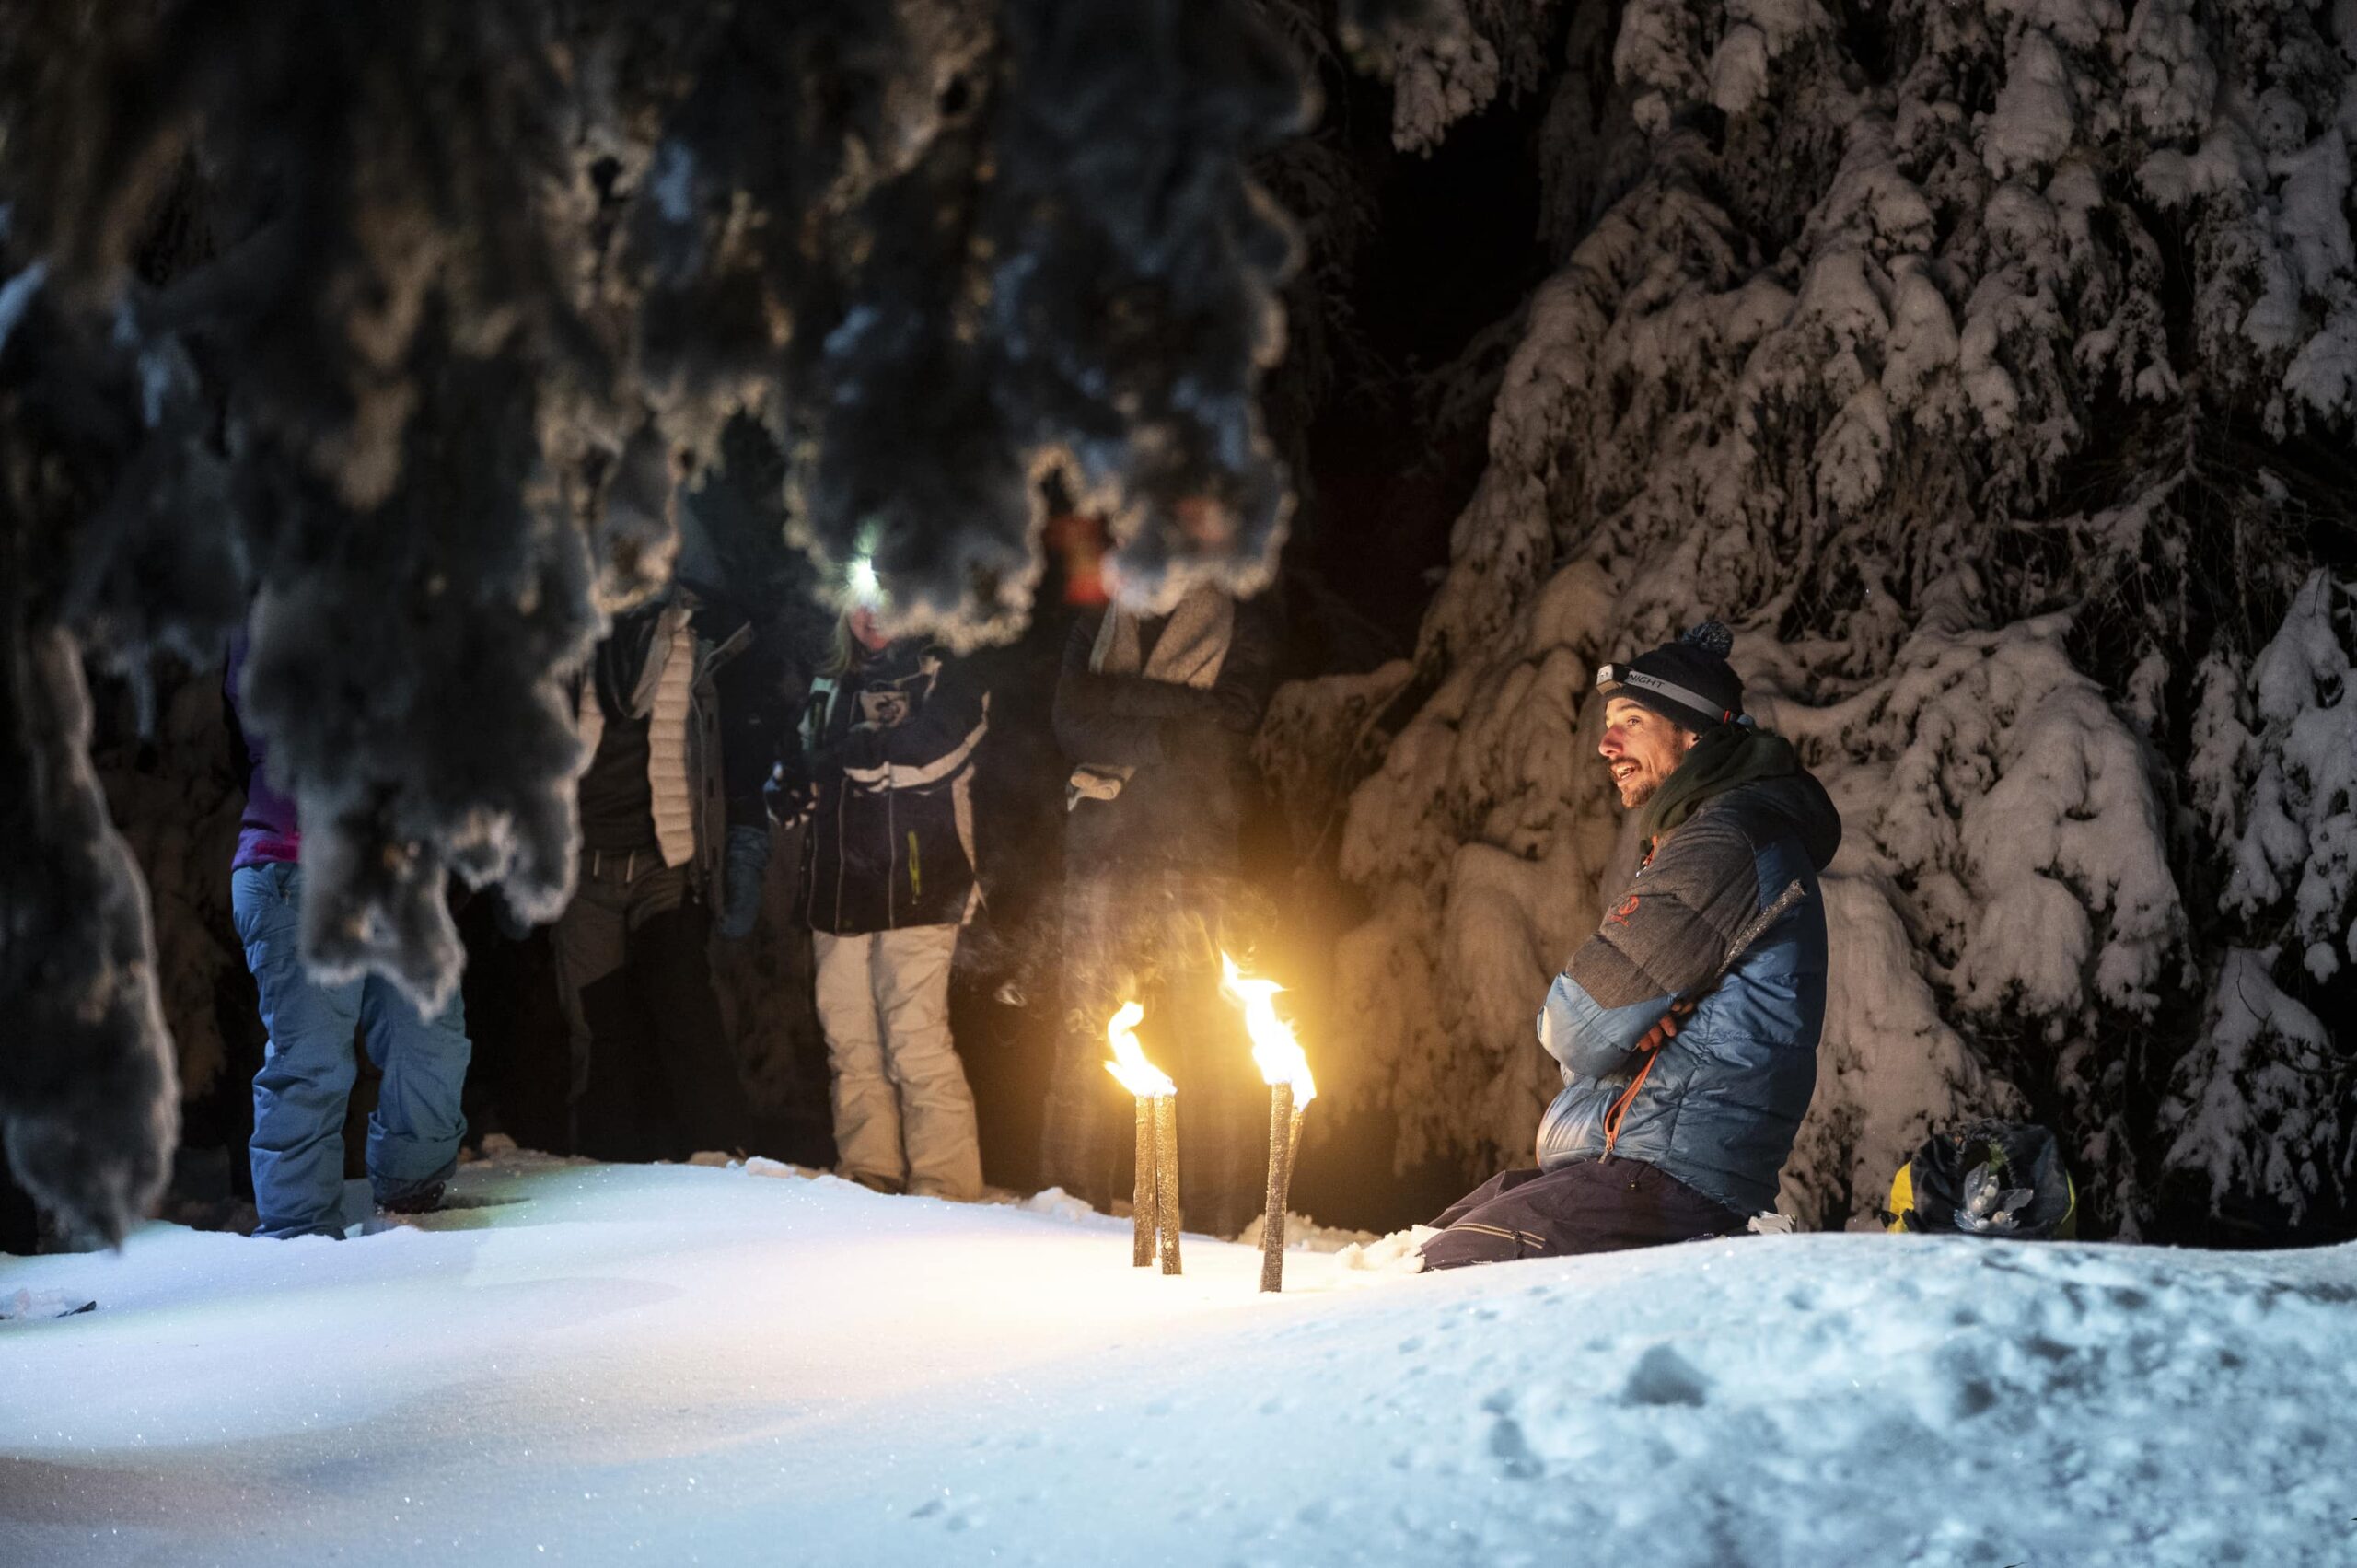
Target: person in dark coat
x=670, y=801
x=1682, y=1091
x=1157, y=715
x=883, y=778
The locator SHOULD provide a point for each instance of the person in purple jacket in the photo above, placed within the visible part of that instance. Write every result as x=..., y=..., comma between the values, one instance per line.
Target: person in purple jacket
x=304, y=1086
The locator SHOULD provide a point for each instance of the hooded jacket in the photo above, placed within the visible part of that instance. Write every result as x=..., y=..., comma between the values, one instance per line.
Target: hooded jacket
x=1721, y=1104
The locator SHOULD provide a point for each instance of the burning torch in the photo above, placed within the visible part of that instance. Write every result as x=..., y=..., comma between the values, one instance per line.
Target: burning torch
x=1154, y=1193
x=1291, y=1088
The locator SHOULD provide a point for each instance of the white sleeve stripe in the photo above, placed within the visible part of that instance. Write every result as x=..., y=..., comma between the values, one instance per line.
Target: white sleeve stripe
x=892, y=776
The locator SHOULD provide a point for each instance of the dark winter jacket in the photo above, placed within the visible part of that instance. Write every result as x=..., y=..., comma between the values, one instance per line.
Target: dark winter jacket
x=1721, y=1104
x=888, y=748
x=268, y=833
x=669, y=765
x=1189, y=747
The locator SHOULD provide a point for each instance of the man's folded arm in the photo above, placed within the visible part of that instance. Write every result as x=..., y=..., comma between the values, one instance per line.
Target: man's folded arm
x=1664, y=939
x=1089, y=725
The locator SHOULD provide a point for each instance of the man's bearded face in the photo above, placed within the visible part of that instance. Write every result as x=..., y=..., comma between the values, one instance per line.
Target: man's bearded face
x=1642, y=747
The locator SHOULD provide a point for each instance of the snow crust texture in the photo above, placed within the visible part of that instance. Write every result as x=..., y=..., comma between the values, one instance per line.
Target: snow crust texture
x=1979, y=369
x=604, y=1364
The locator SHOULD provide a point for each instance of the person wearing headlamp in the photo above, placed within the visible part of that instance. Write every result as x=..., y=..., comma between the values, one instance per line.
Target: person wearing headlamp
x=1685, y=1028
x=882, y=783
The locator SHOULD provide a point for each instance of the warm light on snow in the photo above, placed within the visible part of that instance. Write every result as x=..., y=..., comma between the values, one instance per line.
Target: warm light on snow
x=1136, y=1074
x=586, y=1364
x=1273, y=1047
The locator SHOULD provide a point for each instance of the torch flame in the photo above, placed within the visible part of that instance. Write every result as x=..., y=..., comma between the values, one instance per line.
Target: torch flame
x=1273, y=1048
x=1128, y=1064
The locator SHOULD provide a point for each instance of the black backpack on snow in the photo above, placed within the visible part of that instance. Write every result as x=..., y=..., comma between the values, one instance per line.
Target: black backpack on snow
x=1995, y=1178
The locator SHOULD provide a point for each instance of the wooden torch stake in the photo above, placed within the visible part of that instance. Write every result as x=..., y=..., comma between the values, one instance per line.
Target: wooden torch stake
x=1168, y=1218
x=1143, y=1222
x=1281, y=1125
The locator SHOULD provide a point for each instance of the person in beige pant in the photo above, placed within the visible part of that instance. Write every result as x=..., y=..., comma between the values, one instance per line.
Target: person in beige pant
x=904, y=1118
x=886, y=753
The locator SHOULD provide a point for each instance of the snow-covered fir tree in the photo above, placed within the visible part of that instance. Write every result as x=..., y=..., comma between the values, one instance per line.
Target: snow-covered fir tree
x=1990, y=365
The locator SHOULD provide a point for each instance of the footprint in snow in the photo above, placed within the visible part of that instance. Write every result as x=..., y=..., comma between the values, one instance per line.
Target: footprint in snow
x=1661, y=1376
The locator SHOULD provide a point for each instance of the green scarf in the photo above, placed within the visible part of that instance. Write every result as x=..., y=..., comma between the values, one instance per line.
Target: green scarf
x=1728, y=755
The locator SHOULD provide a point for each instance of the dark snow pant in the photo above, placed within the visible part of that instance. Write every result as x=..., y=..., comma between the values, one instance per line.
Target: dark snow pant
x=634, y=972
x=1592, y=1206
x=1154, y=935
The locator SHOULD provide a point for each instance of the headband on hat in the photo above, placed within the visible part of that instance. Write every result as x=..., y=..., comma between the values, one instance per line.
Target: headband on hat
x=1687, y=681
x=1608, y=676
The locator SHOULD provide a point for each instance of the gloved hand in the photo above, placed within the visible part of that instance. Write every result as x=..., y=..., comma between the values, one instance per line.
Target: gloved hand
x=790, y=802
x=1665, y=1031
x=744, y=860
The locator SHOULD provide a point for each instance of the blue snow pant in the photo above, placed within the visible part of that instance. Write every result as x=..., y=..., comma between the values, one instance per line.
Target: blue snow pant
x=1587, y=1206
x=307, y=1071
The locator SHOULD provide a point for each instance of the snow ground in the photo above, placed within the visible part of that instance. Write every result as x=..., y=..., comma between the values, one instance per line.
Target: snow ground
x=678, y=1365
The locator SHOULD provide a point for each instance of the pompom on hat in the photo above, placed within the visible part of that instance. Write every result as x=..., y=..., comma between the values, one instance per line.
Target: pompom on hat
x=1688, y=681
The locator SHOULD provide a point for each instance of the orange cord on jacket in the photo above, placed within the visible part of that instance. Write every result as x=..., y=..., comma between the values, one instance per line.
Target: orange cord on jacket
x=1660, y=1035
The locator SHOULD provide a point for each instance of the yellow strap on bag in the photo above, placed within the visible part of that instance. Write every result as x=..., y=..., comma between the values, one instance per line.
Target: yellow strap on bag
x=1902, y=1197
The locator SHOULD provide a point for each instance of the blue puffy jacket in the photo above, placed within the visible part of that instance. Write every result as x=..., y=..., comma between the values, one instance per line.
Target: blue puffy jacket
x=1720, y=1106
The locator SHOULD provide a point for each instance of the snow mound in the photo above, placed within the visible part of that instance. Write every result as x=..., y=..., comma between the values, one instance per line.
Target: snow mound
x=1401, y=1252
x=1057, y=1203
x=26, y=1306
x=600, y=1364
x=1305, y=1235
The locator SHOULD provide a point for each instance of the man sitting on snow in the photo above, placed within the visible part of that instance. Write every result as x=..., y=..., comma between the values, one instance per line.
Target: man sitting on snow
x=1687, y=1030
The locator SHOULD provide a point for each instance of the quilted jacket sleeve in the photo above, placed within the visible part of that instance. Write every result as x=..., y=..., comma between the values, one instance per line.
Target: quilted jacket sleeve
x=1665, y=937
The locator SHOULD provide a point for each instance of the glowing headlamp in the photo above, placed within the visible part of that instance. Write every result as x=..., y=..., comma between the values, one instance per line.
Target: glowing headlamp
x=861, y=583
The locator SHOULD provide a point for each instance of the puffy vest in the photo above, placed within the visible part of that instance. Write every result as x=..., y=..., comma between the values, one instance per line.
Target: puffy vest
x=686, y=791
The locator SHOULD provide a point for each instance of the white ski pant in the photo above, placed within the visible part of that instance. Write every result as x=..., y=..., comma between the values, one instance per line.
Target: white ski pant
x=904, y=1115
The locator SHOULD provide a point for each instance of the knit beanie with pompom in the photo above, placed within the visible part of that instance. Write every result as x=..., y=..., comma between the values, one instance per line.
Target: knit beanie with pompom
x=1688, y=681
